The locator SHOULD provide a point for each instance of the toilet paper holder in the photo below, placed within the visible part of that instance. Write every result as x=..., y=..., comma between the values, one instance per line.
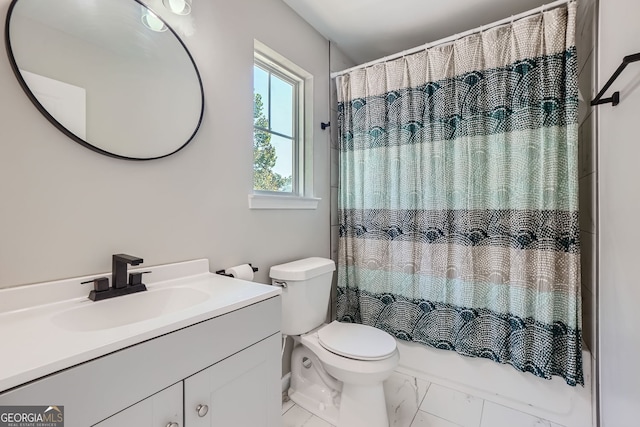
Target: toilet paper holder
x=222, y=273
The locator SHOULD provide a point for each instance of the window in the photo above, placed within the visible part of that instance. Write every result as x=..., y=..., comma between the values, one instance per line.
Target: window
x=282, y=146
x=276, y=129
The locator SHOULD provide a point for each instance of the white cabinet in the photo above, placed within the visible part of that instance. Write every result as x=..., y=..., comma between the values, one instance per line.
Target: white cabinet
x=237, y=391
x=159, y=410
x=230, y=362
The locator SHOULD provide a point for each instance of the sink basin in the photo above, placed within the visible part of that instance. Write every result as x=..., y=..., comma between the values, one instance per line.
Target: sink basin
x=128, y=309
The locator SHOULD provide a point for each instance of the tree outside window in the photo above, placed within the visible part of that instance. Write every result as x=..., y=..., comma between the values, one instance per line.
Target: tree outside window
x=276, y=129
x=264, y=154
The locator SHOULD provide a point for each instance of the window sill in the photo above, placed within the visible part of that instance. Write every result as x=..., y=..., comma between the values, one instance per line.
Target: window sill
x=263, y=201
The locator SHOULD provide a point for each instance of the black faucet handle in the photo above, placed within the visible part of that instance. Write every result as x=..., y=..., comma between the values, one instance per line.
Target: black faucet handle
x=136, y=278
x=100, y=284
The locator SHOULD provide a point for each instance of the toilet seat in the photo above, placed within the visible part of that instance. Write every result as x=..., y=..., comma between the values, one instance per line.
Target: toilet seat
x=347, y=368
x=355, y=341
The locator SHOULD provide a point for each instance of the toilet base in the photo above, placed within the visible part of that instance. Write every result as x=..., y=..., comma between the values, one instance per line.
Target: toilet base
x=309, y=391
x=363, y=406
x=340, y=404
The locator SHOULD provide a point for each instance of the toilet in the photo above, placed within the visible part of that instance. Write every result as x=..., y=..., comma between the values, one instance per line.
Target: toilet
x=337, y=369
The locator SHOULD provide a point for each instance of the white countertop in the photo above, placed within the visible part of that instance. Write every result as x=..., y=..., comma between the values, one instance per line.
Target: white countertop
x=35, y=345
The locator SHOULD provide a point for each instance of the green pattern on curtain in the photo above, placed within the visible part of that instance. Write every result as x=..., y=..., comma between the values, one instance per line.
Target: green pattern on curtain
x=458, y=197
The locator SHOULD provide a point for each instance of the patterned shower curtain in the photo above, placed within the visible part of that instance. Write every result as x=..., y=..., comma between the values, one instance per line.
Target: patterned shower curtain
x=458, y=197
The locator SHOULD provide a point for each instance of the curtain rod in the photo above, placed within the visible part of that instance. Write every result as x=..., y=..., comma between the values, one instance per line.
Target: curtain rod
x=455, y=37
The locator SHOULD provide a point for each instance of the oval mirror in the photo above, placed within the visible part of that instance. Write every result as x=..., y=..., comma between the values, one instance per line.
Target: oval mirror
x=109, y=74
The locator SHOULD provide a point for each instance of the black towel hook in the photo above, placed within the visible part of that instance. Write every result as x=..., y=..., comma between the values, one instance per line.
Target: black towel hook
x=615, y=98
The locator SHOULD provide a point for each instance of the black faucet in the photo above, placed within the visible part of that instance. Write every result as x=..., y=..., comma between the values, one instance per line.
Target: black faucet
x=119, y=269
x=102, y=290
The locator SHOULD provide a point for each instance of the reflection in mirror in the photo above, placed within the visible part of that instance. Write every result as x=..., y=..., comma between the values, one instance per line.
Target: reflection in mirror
x=151, y=20
x=103, y=77
x=179, y=7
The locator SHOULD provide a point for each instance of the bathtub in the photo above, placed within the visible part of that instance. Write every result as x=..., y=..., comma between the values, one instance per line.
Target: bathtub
x=550, y=399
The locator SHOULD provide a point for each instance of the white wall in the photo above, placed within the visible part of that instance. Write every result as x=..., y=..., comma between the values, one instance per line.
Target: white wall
x=66, y=209
x=619, y=204
x=587, y=170
x=338, y=61
x=588, y=175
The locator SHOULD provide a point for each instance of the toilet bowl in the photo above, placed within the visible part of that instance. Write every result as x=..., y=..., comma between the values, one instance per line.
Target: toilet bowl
x=337, y=369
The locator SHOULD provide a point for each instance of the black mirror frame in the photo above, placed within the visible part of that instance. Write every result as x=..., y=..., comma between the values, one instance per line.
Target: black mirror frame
x=62, y=128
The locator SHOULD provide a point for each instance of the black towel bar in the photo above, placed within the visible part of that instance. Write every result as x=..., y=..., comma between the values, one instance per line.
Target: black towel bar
x=615, y=98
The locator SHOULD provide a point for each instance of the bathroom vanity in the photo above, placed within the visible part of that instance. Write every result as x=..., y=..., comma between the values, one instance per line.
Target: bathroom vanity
x=196, y=349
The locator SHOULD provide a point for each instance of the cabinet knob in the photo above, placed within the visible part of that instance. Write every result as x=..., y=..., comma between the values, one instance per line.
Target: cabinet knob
x=173, y=425
x=202, y=410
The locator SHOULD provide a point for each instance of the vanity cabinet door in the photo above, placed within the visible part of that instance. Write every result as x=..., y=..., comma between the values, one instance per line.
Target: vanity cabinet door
x=241, y=391
x=160, y=410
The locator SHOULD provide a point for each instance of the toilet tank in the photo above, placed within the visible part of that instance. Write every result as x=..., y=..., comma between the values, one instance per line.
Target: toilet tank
x=305, y=292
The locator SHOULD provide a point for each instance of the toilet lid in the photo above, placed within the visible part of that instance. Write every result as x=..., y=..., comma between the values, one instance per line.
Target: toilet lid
x=356, y=341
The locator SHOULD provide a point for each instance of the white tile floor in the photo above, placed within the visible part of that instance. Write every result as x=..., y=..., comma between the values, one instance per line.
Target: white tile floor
x=413, y=402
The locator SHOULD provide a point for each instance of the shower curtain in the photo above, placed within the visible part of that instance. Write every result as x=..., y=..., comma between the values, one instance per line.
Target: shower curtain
x=458, y=197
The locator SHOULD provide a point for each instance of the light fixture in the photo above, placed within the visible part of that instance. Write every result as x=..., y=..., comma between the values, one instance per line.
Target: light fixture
x=179, y=7
x=151, y=21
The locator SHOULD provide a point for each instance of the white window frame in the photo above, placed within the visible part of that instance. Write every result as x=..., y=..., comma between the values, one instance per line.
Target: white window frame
x=301, y=196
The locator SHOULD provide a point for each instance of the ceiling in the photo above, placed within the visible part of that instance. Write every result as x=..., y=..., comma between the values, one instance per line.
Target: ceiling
x=370, y=29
